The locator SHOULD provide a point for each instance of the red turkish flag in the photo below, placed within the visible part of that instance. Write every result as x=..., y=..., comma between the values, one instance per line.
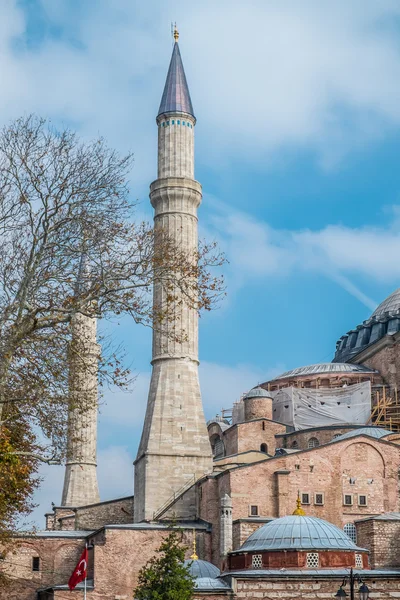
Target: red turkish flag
x=80, y=572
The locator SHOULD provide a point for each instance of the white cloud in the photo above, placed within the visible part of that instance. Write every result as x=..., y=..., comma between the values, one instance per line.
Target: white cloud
x=343, y=254
x=222, y=385
x=264, y=76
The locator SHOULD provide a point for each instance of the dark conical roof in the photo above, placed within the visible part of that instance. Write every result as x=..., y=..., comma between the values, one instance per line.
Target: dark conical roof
x=176, y=96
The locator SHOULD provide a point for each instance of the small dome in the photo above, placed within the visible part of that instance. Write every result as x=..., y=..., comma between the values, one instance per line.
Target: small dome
x=201, y=568
x=373, y=432
x=320, y=368
x=257, y=392
x=298, y=533
x=391, y=304
x=205, y=575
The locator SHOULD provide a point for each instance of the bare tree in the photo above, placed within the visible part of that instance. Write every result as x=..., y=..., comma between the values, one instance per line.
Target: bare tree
x=60, y=200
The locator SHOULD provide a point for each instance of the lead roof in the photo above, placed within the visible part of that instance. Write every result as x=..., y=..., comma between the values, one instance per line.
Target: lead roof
x=176, y=95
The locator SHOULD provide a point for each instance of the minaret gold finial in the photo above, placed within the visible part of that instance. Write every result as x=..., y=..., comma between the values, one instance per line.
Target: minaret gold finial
x=176, y=33
x=194, y=555
x=299, y=511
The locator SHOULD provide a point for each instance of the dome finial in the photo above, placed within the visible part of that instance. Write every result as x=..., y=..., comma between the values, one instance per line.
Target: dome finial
x=299, y=512
x=194, y=555
x=176, y=33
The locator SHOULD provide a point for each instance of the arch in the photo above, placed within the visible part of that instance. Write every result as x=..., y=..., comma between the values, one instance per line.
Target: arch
x=351, y=531
x=313, y=442
x=217, y=446
x=295, y=445
x=264, y=448
x=350, y=454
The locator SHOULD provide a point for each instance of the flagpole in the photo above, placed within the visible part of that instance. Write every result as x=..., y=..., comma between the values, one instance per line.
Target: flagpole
x=84, y=593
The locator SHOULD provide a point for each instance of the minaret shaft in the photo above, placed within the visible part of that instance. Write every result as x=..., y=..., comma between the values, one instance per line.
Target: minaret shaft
x=80, y=481
x=174, y=446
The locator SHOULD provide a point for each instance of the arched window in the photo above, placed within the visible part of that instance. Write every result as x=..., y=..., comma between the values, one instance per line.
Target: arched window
x=264, y=448
x=295, y=444
x=351, y=531
x=313, y=442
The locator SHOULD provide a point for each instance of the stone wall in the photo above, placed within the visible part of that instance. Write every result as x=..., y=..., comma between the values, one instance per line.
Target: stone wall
x=382, y=538
x=119, y=511
x=243, y=528
x=384, y=356
x=312, y=588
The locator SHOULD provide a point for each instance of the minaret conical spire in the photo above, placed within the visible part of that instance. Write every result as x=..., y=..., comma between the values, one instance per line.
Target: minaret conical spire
x=176, y=95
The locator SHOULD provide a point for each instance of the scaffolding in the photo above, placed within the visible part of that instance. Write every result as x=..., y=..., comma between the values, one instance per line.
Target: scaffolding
x=385, y=410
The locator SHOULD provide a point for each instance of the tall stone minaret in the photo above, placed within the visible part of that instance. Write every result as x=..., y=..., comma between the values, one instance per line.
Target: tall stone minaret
x=80, y=480
x=174, y=447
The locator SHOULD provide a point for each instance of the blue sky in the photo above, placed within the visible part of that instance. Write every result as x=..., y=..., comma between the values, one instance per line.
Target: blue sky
x=297, y=145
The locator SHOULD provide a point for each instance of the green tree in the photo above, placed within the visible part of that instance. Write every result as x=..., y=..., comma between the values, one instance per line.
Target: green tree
x=165, y=577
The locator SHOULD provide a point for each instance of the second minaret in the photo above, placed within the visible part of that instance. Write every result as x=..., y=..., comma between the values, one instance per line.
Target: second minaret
x=174, y=448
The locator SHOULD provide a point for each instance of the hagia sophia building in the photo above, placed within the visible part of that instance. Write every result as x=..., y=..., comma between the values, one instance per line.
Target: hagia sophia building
x=281, y=496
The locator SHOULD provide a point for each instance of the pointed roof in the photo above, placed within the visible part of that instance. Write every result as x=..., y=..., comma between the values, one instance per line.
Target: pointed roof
x=176, y=96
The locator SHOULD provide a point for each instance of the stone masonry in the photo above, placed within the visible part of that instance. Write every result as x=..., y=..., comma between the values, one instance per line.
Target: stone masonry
x=174, y=448
x=80, y=482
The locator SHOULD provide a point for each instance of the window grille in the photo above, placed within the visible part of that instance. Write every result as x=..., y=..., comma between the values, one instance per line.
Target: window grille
x=351, y=531
x=305, y=498
x=256, y=561
x=313, y=442
x=359, y=561
x=319, y=499
x=312, y=560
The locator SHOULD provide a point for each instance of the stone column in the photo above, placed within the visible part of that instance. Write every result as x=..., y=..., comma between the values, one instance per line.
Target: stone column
x=225, y=526
x=80, y=481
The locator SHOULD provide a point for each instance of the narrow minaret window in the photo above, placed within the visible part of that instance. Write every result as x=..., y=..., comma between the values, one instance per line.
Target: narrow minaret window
x=174, y=448
x=80, y=481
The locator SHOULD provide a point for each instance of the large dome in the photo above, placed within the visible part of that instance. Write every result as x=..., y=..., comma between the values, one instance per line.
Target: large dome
x=391, y=304
x=296, y=532
x=325, y=368
x=385, y=320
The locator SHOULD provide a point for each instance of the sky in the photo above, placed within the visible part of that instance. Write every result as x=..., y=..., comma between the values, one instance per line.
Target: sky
x=297, y=149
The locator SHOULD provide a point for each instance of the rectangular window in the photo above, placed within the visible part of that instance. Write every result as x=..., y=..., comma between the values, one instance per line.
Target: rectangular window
x=319, y=499
x=362, y=500
x=254, y=510
x=348, y=499
x=305, y=498
x=35, y=563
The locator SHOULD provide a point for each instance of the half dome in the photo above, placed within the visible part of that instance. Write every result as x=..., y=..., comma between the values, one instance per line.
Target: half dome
x=373, y=432
x=298, y=533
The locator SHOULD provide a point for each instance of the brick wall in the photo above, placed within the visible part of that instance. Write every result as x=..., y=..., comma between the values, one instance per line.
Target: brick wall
x=324, y=436
x=251, y=434
x=58, y=557
x=382, y=539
